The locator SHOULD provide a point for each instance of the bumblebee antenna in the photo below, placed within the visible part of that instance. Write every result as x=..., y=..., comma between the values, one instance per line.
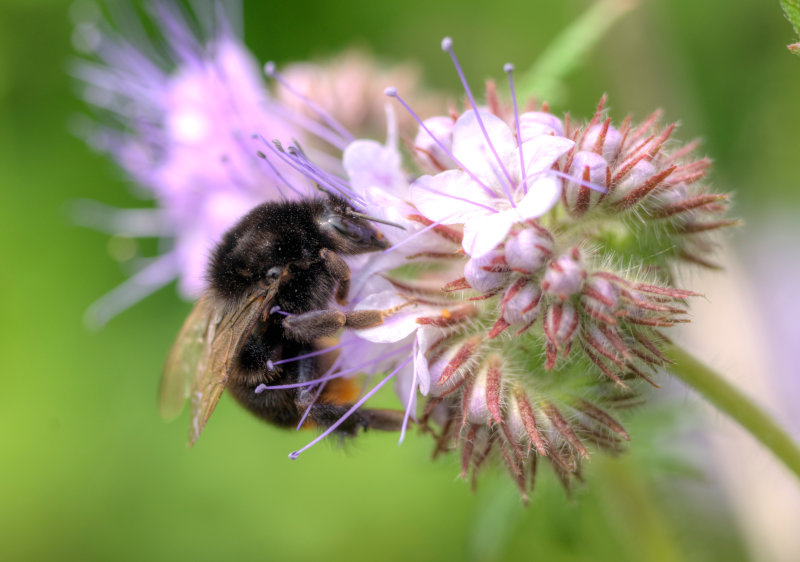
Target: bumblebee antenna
x=376, y=219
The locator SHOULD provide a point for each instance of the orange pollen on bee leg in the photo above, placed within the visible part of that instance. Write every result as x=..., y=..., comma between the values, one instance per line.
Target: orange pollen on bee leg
x=341, y=391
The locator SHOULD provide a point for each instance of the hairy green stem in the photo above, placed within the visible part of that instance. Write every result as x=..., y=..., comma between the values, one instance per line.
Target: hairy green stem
x=735, y=404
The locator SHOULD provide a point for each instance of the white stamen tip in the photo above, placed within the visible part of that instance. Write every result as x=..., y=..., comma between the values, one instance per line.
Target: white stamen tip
x=260, y=388
x=447, y=44
x=508, y=67
x=391, y=91
x=269, y=68
x=294, y=454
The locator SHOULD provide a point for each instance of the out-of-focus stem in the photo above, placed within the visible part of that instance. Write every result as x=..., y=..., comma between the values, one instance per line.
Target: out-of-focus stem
x=543, y=79
x=735, y=404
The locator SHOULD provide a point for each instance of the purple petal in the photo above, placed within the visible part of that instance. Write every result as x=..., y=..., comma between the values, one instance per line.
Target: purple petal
x=370, y=164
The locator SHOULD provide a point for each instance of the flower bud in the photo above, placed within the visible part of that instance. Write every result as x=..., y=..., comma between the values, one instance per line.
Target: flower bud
x=429, y=153
x=448, y=367
x=535, y=123
x=640, y=173
x=528, y=250
x=521, y=305
x=565, y=276
x=482, y=273
x=600, y=299
x=477, y=407
x=585, y=167
x=611, y=143
x=560, y=324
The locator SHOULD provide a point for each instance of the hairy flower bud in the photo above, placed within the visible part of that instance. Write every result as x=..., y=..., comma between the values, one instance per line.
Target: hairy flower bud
x=534, y=123
x=586, y=168
x=486, y=273
x=564, y=276
x=521, y=304
x=528, y=250
x=604, y=140
x=560, y=326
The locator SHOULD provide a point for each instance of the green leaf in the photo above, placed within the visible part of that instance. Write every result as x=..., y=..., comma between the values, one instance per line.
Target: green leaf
x=791, y=8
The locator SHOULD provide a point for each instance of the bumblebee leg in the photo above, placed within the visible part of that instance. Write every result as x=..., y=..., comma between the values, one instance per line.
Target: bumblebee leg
x=309, y=326
x=340, y=271
x=325, y=415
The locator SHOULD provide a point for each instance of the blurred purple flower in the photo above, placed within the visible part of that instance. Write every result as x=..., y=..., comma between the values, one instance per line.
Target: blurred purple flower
x=182, y=127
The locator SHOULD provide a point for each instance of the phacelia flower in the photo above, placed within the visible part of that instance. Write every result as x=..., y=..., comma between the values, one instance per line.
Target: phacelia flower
x=181, y=125
x=530, y=276
x=542, y=274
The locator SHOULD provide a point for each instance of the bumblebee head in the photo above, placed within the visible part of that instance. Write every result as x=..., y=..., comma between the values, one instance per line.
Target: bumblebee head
x=349, y=231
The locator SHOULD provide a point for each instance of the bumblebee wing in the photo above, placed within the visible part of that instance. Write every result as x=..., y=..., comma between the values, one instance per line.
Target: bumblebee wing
x=183, y=363
x=227, y=332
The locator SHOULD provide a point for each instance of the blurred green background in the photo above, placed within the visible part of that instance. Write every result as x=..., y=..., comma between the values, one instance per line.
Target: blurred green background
x=88, y=470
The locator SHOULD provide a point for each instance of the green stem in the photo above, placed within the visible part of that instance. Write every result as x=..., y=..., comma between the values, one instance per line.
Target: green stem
x=544, y=79
x=735, y=404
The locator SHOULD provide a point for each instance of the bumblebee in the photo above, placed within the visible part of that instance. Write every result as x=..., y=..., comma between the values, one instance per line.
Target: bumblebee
x=272, y=281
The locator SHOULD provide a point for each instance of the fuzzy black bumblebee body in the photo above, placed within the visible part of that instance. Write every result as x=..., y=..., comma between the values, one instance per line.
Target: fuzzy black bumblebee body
x=272, y=280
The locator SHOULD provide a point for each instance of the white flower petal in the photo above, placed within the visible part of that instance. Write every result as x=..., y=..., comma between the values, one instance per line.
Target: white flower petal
x=370, y=164
x=396, y=326
x=541, y=152
x=541, y=197
x=426, y=337
x=451, y=197
x=472, y=149
x=483, y=234
x=403, y=381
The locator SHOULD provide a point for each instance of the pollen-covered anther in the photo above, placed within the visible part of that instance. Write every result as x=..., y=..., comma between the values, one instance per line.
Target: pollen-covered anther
x=560, y=325
x=565, y=276
x=528, y=250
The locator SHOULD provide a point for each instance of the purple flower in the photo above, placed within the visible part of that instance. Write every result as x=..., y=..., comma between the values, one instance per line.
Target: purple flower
x=182, y=128
x=499, y=184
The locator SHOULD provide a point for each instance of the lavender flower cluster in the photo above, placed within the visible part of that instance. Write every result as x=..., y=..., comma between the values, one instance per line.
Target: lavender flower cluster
x=531, y=272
